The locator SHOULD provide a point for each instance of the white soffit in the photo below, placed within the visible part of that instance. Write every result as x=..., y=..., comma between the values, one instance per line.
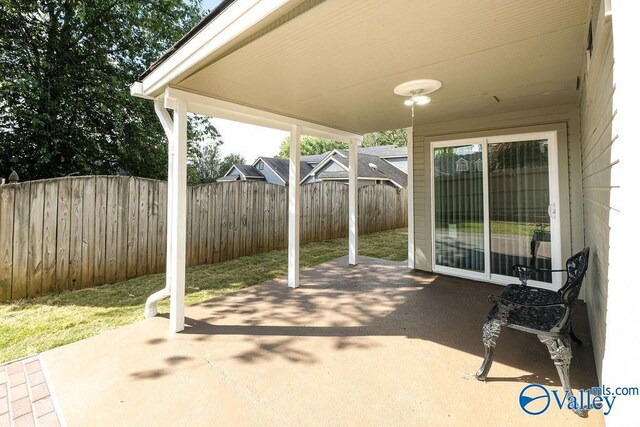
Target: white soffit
x=337, y=63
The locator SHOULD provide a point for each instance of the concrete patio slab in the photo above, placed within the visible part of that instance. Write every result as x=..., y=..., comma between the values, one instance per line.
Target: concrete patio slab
x=375, y=344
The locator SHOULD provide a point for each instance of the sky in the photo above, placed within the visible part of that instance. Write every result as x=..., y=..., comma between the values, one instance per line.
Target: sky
x=247, y=140
x=210, y=4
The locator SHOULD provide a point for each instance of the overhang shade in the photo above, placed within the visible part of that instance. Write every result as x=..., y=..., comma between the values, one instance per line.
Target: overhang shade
x=336, y=63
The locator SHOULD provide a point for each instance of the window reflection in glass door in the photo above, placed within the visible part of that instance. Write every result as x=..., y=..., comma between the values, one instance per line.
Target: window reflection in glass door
x=458, y=207
x=518, y=206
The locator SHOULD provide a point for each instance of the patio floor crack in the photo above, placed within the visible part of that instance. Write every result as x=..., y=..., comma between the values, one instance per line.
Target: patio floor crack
x=254, y=400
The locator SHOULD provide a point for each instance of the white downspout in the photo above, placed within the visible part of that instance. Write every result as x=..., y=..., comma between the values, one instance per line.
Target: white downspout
x=151, y=306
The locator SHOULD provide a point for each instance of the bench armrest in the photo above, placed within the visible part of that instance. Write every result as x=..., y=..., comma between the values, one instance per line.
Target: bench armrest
x=525, y=272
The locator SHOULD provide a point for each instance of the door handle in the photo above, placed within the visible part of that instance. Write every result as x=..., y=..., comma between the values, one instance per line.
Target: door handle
x=552, y=211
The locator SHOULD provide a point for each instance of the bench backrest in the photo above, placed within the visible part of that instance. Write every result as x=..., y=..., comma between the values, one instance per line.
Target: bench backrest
x=576, y=269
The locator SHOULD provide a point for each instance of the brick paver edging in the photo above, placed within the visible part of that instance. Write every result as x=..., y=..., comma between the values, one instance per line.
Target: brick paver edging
x=25, y=396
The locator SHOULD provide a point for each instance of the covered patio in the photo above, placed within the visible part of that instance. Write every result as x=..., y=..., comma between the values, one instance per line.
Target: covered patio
x=376, y=344
x=513, y=74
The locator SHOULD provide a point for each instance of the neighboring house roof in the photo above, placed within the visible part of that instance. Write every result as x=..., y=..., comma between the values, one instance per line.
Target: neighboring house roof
x=384, y=151
x=246, y=172
x=249, y=171
x=229, y=178
x=281, y=167
x=315, y=158
x=380, y=170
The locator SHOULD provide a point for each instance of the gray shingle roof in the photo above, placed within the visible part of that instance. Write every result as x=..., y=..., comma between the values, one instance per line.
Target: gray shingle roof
x=315, y=158
x=384, y=151
x=382, y=168
x=281, y=167
x=249, y=171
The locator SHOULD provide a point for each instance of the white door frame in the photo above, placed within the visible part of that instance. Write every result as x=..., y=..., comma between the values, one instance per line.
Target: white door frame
x=554, y=201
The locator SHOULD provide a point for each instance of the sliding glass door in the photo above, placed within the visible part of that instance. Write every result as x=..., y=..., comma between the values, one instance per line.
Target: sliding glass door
x=494, y=205
x=458, y=208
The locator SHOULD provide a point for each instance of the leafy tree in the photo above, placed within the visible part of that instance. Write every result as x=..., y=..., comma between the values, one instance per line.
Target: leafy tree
x=228, y=161
x=397, y=137
x=310, y=145
x=207, y=166
x=66, y=66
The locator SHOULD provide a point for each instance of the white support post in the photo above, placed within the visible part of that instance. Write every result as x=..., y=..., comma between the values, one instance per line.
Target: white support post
x=294, y=208
x=353, y=201
x=177, y=216
x=411, y=242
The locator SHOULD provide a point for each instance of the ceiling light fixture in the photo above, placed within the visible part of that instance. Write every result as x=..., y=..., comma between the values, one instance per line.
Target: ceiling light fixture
x=416, y=92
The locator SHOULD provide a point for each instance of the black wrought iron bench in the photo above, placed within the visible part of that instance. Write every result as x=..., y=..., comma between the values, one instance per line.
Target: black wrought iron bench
x=537, y=311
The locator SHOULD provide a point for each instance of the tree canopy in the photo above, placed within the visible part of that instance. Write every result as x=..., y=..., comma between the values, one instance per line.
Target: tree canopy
x=310, y=145
x=397, y=137
x=66, y=67
x=207, y=166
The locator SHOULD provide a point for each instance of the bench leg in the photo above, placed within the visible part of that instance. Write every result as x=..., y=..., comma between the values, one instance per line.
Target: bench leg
x=490, y=333
x=573, y=336
x=560, y=352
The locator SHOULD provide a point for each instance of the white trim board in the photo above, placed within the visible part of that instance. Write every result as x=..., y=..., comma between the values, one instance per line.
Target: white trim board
x=218, y=108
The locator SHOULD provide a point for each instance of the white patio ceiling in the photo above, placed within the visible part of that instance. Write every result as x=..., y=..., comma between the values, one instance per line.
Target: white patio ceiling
x=337, y=63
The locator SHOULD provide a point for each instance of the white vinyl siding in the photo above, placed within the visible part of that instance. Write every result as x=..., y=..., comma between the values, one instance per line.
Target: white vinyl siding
x=597, y=162
x=269, y=173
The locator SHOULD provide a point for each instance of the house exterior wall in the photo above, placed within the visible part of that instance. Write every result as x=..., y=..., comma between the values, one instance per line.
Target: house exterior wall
x=597, y=144
x=610, y=153
x=268, y=173
x=563, y=119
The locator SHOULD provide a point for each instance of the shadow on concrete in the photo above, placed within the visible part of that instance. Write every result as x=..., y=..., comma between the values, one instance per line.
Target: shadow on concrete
x=354, y=305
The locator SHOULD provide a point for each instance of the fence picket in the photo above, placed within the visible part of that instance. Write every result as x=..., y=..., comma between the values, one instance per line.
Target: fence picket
x=111, y=231
x=100, y=230
x=63, y=238
x=49, y=223
x=7, y=198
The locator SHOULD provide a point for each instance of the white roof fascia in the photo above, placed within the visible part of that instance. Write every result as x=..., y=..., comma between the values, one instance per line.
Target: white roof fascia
x=232, y=168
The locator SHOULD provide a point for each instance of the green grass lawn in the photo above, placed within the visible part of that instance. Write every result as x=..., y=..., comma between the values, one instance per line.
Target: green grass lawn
x=35, y=325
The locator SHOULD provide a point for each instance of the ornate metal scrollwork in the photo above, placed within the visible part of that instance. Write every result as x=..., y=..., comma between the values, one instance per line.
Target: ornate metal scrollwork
x=559, y=349
x=490, y=332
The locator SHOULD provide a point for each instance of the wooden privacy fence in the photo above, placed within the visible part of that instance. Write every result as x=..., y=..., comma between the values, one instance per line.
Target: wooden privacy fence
x=77, y=232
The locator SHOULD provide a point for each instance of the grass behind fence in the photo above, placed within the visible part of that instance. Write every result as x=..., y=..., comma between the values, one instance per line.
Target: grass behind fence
x=35, y=325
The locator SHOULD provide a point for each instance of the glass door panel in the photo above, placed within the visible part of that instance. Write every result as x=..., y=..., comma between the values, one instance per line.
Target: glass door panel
x=458, y=207
x=519, y=222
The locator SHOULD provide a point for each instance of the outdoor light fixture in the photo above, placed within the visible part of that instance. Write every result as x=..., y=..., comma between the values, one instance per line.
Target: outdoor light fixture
x=417, y=100
x=417, y=90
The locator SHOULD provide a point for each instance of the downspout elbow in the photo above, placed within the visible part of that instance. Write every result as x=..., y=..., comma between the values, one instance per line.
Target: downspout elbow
x=151, y=306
